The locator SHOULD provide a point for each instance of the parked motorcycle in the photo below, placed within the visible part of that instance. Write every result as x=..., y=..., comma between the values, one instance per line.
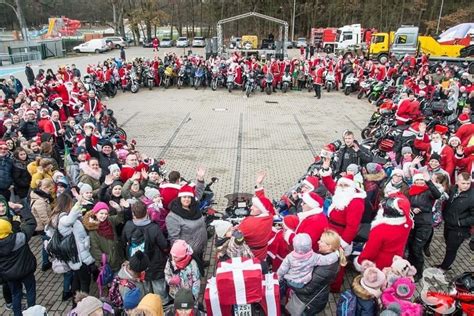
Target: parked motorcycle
x=150, y=77
x=286, y=82
x=230, y=81
x=198, y=77
x=250, y=83
x=351, y=84
x=268, y=83
x=329, y=81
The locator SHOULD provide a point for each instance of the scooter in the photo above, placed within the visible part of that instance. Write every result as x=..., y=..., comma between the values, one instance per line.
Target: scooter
x=181, y=77
x=268, y=83
x=329, y=81
x=198, y=76
x=230, y=81
x=286, y=82
x=150, y=77
x=250, y=83
x=351, y=84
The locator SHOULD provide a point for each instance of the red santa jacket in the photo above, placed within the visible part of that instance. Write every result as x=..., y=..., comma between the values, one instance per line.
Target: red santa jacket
x=257, y=231
x=387, y=238
x=346, y=221
x=465, y=133
x=408, y=110
x=126, y=172
x=63, y=93
x=93, y=106
x=46, y=125
x=318, y=76
x=446, y=153
x=313, y=223
x=465, y=162
x=169, y=192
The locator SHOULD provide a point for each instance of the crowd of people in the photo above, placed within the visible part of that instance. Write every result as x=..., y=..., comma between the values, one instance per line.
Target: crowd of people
x=108, y=214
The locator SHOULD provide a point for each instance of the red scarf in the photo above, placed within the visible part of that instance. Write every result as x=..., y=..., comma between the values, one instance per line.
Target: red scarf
x=106, y=230
x=416, y=189
x=183, y=262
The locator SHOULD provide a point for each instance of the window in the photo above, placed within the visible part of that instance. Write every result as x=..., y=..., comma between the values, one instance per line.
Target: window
x=378, y=39
x=347, y=36
x=401, y=39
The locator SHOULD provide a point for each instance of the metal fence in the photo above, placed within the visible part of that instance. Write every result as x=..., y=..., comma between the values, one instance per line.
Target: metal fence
x=19, y=57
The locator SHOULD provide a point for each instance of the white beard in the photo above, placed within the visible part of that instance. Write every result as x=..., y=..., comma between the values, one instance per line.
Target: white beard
x=342, y=197
x=436, y=147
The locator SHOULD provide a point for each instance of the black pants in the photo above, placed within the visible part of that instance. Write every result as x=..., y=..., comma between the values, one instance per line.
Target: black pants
x=7, y=294
x=317, y=90
x=428, y=242
x=81, y=280
x=454, y=239
x=6, y=194
x=416, y=242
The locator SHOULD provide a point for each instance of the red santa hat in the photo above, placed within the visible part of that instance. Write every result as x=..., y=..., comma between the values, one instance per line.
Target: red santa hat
x=454, y=138
x=55, y=98
x=313, y=200
x=263, y=204
x=291, y=222
x=441, y=129
x=348, y=179
x=464, y=118
x=415, y=127
x=328, y=151
x=186, y=190
x=311, y=182
x=30, y=112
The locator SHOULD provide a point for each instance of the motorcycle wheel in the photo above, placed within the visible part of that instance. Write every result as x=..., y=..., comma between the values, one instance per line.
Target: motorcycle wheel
x=197, y=83
x=167, y=83
x=285, y=88
x=179, y=84
x=214, y=85
x=150, y=85
x=121, y=133
x=310, y=87
x=248, y=91
x=229, y=87
x=347, y=90
x=365, y=133
x=114, y=91
x=328, y=88
x=134, y=88
x=372, y=98
x=360, y=95
x=268, y=90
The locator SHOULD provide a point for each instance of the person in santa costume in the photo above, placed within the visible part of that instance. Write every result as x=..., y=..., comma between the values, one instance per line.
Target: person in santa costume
x=311, y=220
x=465, y=160
x=132, y=165
x=318, y=79
x=44, y=122
x=436, y=145
x=169, y=190
x=93, y=106
x=408, y=110
x=388, y=234
x=257, y=228
x=466, y=131
x=309, y=184
x=422, y=195
x=344, y=213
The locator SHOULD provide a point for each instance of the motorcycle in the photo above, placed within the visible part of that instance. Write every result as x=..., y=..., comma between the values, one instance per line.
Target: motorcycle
x=286, y=82
x=309, y=81
x=329, y=81
x=169, y=73
x=365, y=88
x=198, y=77
x=205, y=206
x=230, y=81
x=351, y=84
x=181, y=77
x=250, y=83
x=376, y=91
x=150, y=77
x=268, y=83
x=238, y=207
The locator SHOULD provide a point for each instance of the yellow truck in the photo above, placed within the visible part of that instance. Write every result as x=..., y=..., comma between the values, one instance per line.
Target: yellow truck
x=408, y=41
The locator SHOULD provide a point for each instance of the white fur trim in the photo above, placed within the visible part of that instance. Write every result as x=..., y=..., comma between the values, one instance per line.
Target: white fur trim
x=185, y=194
x=323, y=173
x=287, y=234
x=346, y=181
x=389, y=221
x=308, y=184
x=344, y=244
x=259, y=189
x=256, y=201
x=314, y=211
x=357, y=266
x=170, y=185
x=308, y=200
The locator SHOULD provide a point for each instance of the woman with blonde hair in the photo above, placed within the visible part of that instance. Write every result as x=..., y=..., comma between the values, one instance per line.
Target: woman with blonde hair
x=313, y=297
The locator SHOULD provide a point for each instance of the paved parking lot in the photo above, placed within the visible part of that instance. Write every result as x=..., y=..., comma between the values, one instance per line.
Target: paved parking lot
x=234, y=137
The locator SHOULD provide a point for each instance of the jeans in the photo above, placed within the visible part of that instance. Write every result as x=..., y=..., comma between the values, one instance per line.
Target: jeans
x=16, y=288
x=44, y=253
x=81, y=280
x=67, y=281
x=158, y=287
x=454, y=239
x=419, y=236
x=317, y=90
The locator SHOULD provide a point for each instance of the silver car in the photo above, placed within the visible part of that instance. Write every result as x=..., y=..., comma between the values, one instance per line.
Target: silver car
x=182, y=42
x=166, y=42
x=199, y=42
x=301, y=42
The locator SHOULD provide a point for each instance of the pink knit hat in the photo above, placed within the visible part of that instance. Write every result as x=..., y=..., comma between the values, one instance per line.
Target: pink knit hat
x=181, y=249
x=100, y=206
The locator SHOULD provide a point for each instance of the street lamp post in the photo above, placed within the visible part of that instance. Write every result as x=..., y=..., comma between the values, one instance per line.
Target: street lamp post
x=439, y=17
x=293, y=22
x=19, y=14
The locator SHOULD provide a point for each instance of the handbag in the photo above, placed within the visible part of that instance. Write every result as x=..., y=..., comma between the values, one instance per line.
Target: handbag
x=62, y=248
x=60, y=267
x=295, y=306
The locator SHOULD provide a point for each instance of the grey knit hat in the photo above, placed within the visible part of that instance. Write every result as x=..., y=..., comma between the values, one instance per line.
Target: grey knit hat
x=302, y=243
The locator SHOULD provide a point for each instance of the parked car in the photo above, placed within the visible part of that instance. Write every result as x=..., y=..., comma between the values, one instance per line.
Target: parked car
x=117, y=42
x=98, y=45
x=289, y=44
x=301, y=42
x=167, y=42
x=199, y=42
x=182, y=42
x=147, y=43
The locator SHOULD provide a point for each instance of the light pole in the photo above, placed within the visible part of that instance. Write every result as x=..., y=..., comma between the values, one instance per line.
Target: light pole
x=293, y=22
x=19, y=14
x=439, y=17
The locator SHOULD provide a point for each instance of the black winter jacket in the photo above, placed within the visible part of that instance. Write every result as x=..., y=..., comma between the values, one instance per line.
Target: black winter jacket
x=29, y=129
x=347, y=155
x=315, y=294
x=155, y=245
x=6, y=166
x=104, y=161
x=424, y=201
x=21, y=178
x=459, y=211
x=16, y=259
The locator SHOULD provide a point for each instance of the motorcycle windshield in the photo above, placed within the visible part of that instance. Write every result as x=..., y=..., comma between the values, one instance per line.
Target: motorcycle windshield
x=233, y=198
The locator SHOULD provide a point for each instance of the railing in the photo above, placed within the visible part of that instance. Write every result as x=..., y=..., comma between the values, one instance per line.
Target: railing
x=19, y=57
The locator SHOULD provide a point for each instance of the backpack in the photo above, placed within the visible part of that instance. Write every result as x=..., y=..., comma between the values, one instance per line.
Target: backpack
x=106, y=275
x=347, y=304
x=114, y=293
x=137, y=242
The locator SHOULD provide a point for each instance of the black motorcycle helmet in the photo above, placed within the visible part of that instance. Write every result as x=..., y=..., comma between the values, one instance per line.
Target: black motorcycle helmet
x=465, y=282
x=391, y=208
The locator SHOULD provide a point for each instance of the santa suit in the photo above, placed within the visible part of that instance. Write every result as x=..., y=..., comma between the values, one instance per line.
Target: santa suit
x=275, y=68
x=465, y=133
x=45, y=125
x=381, y=73
x=126, y=172
x=465, y=162
x=93, y=106
x=313, y=223
x=257, y=231
x=445, y=151
x=63, y=93
x=387, y=238
x=169, y=192
x=392, y=71
x=408, y=110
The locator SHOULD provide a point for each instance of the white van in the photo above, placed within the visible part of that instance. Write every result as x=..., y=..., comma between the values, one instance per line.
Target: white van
x=97, y=46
